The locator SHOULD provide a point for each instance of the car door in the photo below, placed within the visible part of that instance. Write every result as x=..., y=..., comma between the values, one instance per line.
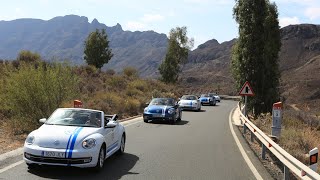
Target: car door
x=108, y=135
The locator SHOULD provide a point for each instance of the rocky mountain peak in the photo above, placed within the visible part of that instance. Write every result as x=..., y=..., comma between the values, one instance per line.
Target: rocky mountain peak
x=305, y=31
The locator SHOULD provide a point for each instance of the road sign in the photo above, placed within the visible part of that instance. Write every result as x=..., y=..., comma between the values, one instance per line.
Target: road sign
x=246, y=90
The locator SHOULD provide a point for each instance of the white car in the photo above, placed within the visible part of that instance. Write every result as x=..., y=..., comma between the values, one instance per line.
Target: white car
x=75, y=137
x=190, y=102
x=218, y=99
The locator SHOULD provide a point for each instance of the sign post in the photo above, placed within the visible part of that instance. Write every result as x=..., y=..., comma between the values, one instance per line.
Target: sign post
x=276, y=119
x=246, y=91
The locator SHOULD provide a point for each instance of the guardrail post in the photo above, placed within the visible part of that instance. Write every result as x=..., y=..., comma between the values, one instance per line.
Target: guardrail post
x=252, y=136
x=263, y=152
x=244, y=128
x=286, y=174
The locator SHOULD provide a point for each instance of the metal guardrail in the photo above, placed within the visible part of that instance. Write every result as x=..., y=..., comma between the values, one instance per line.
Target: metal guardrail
x=289, y=162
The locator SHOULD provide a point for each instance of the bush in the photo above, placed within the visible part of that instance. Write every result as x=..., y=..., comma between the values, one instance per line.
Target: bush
x=132, y=106
x=140, y=85
x=130, y=72
x=35, y=92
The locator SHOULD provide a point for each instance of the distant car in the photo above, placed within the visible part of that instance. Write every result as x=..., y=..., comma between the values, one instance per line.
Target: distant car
x=164, y=109
x=75, y=137
x=206, y=99
x=216, y=96
x=190, y=102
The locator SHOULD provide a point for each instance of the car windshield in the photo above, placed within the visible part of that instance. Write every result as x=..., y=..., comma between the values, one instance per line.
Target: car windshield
x=189, y=98
x=75, y=117
x=163, y=101
x=212, y=94
x=205, y=95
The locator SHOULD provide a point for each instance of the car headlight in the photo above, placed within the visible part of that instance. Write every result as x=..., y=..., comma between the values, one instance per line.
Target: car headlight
x=89, y=143
x=30, y=140
x=146, y=110
x=171, y=111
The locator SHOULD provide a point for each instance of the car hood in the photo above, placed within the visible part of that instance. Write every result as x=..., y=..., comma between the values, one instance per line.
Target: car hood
x=158, y=108
x=204, y=98
x=188, y=101
x=61, y=137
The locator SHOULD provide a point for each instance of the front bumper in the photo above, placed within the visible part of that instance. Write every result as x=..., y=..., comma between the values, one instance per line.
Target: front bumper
x=80, y=158
x=161, y=117
x=188, y=107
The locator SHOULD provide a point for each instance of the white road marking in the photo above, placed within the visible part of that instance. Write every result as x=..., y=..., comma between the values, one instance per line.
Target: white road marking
x=243, y=153
x=11, y=166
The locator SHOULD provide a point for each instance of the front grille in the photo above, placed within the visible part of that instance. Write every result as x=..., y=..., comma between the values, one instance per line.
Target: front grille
x=57, y=160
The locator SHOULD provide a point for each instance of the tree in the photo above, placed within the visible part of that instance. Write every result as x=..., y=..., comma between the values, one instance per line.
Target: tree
x=255, y=54
x=177, y=54
x=28, y=57
x=97, y=51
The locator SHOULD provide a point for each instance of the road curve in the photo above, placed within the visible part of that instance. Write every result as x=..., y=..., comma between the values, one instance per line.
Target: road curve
x=201, y=146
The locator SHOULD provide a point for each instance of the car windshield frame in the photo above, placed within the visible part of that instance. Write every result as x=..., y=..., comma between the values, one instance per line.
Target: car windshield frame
x=75, y=117
x=187, y=97
x=204, y=95
x=162, y=102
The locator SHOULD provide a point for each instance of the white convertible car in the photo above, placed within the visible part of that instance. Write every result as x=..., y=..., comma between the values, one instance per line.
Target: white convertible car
x=190, y=102
x=75, y=137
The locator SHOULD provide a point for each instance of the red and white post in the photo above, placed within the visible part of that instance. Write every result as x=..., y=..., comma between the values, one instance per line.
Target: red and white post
x=313, y=161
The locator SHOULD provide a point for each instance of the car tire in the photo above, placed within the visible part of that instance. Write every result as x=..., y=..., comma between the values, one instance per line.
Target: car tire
x=146, y=121
x=180, y=117
x=101, y=159
x=32, y=166
x=122, y=145
x=173, y=121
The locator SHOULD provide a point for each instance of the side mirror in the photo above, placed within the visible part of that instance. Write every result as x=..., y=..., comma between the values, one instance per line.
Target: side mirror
x=111, y=124
x=43, y=120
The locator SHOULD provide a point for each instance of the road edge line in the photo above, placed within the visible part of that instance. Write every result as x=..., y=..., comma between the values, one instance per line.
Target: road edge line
x=11, y=166
x=242, y=151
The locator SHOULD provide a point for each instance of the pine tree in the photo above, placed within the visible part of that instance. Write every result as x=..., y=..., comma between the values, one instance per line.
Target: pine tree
x=177, y=54
x=97, y=51
x=255, y=54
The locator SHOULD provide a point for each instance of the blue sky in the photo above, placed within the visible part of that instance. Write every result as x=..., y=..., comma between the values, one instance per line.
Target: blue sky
x=205, y=19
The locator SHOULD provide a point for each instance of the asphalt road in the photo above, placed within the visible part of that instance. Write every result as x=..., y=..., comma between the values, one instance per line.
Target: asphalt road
x=201, y=146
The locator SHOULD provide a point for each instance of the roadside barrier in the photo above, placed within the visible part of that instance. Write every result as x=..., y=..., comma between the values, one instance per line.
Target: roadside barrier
x=289, y=162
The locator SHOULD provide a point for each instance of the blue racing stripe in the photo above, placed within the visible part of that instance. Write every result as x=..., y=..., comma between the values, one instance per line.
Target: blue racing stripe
x=69, y=142
x=112, y=146
x=73, y=141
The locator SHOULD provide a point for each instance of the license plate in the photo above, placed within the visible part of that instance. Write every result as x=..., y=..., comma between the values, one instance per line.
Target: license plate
x=54, y=154
x=157, y=115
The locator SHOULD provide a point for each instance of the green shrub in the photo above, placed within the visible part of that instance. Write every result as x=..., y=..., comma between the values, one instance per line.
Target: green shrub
x=35, y=92
x=139, y=84
x=130, y=72
x=132, y=106
x=117, y=82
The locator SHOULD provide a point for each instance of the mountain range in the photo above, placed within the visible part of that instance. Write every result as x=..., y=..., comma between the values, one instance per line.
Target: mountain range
x=208, y=67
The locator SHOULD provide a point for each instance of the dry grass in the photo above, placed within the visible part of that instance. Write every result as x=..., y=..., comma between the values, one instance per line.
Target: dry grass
x=297, y=136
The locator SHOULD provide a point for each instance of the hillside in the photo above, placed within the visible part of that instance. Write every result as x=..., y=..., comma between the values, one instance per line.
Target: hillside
x=209, y=67
x=63, y=38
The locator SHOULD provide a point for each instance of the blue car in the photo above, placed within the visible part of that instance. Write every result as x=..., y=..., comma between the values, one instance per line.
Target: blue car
x=207, y=99
x=163, y=109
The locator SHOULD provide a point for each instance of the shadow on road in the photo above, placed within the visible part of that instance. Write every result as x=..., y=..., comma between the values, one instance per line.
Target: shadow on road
x=114, y=168
x=182, y=122
x=202, y=110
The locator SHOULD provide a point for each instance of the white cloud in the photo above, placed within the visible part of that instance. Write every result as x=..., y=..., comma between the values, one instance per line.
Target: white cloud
x=135, y=26
x=285, y=21
x=149, y=18
x=313, y=13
